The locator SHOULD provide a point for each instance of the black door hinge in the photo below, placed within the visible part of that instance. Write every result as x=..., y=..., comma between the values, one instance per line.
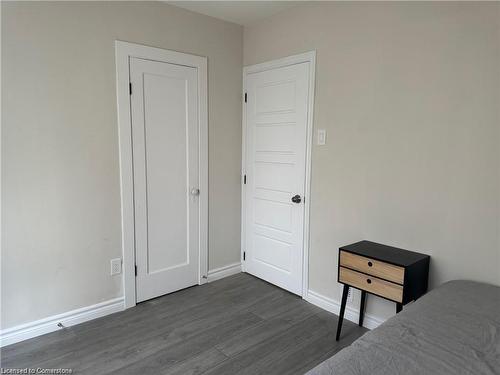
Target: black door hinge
x=244, y=255
x=135, y=270
x=244, y=179
x=130, y=88
x=245, y=97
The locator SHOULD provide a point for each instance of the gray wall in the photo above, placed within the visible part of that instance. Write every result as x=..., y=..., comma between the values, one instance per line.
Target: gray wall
x=409, y=96
x=60, y=173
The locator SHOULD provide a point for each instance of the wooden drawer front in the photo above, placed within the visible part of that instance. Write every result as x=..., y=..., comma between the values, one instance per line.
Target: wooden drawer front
x=371, y=284
x=373, y=267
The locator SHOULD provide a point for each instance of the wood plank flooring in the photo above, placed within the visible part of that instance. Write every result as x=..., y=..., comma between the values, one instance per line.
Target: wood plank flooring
x=237, y=325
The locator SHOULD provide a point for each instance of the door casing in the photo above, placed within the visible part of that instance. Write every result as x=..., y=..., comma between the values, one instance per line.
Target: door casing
x=309, y=57
x=123, y=52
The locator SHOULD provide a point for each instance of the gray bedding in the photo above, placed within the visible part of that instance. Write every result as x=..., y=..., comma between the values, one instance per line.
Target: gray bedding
x=454, y=329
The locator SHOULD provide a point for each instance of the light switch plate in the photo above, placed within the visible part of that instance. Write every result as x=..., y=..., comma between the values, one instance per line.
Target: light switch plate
x=321, y=137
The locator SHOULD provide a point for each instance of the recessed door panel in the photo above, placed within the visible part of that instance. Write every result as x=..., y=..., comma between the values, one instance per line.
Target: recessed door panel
x=281, y=218
x=275, y=96
x=166, y=171
x=272, y=175
x=275, y=137
x=274, y=253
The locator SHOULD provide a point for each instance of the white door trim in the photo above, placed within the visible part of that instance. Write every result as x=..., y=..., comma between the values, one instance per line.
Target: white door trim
x=309, y=57
x=123, y=52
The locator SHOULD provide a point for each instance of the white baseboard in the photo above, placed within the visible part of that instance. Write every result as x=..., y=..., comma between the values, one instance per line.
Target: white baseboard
x=219, y=273
x=50, y=324
x=333, y=306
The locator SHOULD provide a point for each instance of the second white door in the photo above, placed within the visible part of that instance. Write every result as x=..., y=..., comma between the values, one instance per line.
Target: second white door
x=165, y=137
x=275, y=168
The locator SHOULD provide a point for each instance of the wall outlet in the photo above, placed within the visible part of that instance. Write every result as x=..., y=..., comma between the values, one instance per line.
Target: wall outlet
x=350, y=297
x=116, y=266
x=321, y=137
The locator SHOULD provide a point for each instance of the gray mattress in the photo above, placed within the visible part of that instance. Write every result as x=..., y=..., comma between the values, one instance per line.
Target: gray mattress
x=454, y=329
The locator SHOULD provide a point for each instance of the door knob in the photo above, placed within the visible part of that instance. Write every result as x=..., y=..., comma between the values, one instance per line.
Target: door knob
x=195, y=191
x=296, y=199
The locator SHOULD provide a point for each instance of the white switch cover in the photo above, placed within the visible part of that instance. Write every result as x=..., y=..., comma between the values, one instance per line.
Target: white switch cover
x=321, y=137
x=116, y=266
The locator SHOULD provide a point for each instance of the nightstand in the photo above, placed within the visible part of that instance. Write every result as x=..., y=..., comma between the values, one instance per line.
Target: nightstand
x=394, y=274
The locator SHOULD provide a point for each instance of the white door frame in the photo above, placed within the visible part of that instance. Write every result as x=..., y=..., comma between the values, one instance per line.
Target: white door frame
x=123, y=52
x=309, y=57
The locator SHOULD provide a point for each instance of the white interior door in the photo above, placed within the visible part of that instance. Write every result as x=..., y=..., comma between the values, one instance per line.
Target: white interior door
x=276, y=139
x=165, y=161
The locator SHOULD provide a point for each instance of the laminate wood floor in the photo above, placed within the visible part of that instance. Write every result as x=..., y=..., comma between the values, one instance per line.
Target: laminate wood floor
x=237, y=325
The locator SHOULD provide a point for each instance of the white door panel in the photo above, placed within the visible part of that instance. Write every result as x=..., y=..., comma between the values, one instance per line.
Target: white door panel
x=275, y=137
x=281, y=218
x=276, y=133
x=273, y=253
x=165, y=158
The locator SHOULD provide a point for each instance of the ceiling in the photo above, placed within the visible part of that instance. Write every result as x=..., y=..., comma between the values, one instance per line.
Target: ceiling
x=240, y=12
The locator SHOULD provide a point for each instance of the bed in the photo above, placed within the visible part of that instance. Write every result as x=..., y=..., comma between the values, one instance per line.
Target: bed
x=454, y=329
